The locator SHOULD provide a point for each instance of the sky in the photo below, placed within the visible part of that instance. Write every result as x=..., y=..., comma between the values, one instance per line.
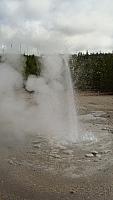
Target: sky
x=57, y=25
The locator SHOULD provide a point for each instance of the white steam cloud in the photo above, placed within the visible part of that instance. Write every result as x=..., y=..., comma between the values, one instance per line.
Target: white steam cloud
x=49, y=111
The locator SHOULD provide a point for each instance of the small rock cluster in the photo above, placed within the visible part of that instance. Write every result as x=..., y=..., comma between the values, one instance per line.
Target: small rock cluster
x=93, y=154
x=97, y=154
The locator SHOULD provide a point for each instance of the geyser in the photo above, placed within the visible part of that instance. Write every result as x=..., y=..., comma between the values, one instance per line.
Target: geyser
x=51, y=111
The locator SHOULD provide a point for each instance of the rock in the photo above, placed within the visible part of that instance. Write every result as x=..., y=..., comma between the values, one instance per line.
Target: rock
x=72, y=191
x=37, y=146
x=68, y=152
x=62, y=147
x=55, y=156
x=94, y=153
x=89, y=155
x=10, y=162
x=18, y=163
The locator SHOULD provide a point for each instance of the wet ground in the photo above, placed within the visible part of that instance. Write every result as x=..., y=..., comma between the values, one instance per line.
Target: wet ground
x=38, y=168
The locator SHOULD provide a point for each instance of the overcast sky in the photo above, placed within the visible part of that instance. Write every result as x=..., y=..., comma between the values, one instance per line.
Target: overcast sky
x=71, y=25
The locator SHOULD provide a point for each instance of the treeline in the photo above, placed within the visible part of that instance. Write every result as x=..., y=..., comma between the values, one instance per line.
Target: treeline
x=90, y=72
x=93, y=72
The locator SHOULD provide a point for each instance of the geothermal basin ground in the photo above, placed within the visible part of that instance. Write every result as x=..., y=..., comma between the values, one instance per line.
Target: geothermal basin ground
x=36, y=168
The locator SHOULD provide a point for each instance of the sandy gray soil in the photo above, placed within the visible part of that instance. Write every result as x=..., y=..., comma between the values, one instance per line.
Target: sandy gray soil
x=36, y=169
